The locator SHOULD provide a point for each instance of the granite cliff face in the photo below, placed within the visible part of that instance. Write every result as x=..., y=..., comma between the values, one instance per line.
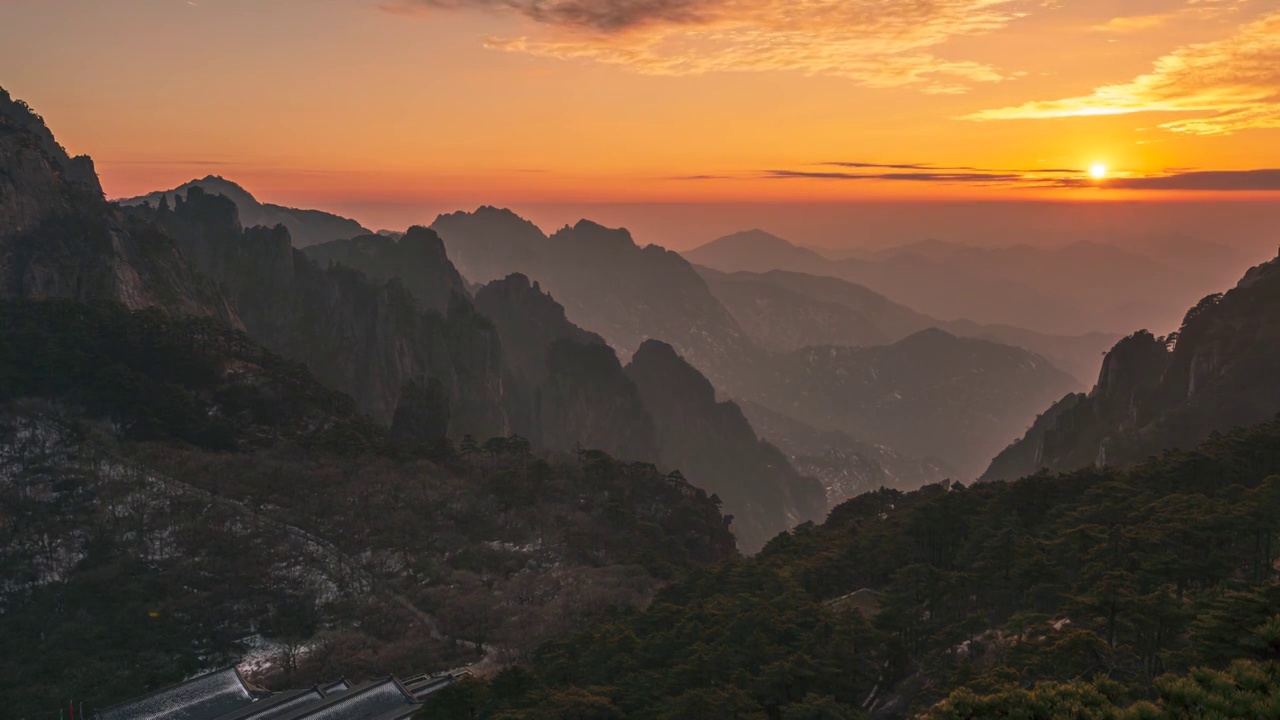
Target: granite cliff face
x=1154, y=393
x=60, y=238
x=568, y=386
x=364, y=337
x=717, y=449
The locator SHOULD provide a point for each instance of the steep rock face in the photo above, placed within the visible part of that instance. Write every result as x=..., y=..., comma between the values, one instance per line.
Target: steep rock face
x=716, y=448
x=306, y=227
x=417, y=257
x=361, y=336
x=608, y=285
x=422, y=414
x=60, y=238
x=568, y=386
x=1216, y=372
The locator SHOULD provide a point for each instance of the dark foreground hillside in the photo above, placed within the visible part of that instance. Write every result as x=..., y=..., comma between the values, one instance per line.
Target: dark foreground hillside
x=1116, y=583
x=173, y=497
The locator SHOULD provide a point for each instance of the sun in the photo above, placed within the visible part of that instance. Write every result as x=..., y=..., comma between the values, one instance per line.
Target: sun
x=1098, y=171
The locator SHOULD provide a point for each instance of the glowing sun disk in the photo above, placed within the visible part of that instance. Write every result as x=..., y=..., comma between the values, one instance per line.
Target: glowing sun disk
x=1098, y=171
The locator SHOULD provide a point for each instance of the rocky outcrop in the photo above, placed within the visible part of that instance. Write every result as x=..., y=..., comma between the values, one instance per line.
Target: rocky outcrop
x=568, y=386
x=60, y=238
x=1155, y=393
x=716, y=448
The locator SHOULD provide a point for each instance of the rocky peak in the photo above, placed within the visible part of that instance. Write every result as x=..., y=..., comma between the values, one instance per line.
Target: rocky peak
x=528, y=321
x=60, y=238
x=662, y=367
x=1137, y=362
x=593, y=236
x=718, y=450
x=417, y=259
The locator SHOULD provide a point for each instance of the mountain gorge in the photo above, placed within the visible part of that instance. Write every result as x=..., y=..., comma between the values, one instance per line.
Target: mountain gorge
x=1153, y=393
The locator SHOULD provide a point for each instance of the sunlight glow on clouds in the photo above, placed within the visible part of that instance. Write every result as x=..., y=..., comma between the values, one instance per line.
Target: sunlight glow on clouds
x=878, y=43
x=1237, y=79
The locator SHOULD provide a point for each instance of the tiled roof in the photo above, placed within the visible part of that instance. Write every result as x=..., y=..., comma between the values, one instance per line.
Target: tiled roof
x=201, y=698
x=224, y=695
x=379, y=700
x=276, y=706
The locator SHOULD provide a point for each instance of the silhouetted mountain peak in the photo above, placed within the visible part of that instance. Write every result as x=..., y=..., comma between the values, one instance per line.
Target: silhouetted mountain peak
x=306, y=227
x=658, y=359
x=489, y=219
x=592, y=234
x=60, y=238
x=756, y=251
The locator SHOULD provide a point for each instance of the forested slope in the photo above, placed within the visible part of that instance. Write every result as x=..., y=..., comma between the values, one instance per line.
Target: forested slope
x=900, y=600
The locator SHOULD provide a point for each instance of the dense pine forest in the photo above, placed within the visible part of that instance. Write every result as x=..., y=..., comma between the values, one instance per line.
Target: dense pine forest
x=1142, y=593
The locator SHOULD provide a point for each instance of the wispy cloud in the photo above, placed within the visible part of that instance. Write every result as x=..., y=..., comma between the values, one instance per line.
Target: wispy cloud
x=880, y=43
x=1184, y=179
x=1197, y=10
x=1213, y=180
x=1236, y=81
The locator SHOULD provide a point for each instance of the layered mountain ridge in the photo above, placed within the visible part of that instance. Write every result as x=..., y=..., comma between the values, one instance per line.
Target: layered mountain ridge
x=1073, y=289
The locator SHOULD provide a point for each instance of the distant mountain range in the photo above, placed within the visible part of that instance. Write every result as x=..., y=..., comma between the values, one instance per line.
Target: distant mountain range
x=1068, y=290
x=1216, y=372
x=785, y=311
x=306, y=227
x=755, y=340
x=607, y=284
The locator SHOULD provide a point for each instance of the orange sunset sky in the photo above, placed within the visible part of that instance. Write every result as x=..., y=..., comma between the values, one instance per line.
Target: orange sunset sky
x=379, y=103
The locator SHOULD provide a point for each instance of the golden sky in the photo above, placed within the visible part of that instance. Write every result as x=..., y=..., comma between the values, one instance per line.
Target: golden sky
x=314, y=102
